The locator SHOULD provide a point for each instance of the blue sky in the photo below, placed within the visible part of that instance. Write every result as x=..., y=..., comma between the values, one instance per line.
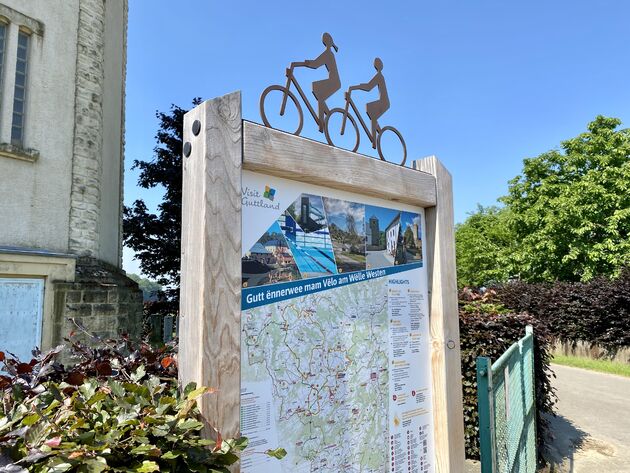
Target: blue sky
x=408, y=218
x=480, y=84
x=384, y=216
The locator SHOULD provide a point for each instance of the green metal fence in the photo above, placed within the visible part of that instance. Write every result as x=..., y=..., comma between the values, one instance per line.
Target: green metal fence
x=507, y=409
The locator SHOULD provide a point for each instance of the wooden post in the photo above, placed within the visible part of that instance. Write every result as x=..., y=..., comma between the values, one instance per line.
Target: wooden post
x=210, y=307
x=448, y=412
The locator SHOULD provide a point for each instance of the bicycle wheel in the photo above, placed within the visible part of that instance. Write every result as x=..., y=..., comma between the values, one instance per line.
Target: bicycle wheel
x=336, y=132
x=283, y=90
x=402, y=142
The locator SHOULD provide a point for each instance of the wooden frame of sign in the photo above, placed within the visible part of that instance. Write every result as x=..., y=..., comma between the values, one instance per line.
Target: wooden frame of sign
x=210, y=307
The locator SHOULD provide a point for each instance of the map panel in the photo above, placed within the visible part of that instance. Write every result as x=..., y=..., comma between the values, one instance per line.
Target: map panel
x=326, y=355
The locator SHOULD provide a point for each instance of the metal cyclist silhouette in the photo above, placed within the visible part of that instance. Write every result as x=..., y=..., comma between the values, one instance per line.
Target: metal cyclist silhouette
x=374, y=111
x=324, y=89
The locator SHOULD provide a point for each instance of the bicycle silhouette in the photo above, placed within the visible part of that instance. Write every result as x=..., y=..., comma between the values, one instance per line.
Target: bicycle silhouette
x=288, y=94
x=324, y=89
x=374, y=139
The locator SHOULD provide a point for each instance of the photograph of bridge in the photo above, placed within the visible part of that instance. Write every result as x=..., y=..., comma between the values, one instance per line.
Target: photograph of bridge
x=305, y=228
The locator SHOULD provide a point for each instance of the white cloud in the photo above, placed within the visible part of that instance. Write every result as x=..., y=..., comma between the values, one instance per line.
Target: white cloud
x=342, y=208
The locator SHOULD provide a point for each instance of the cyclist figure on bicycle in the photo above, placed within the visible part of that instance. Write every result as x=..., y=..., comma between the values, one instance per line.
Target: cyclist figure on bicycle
x=323, y=89
x=378, y=107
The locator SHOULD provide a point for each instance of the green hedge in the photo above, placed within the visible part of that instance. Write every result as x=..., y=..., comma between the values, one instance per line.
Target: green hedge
x=488, y=329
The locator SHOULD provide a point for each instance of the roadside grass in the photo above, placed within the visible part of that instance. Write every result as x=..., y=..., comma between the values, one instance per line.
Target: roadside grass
x=603, y=366
x=358, y=258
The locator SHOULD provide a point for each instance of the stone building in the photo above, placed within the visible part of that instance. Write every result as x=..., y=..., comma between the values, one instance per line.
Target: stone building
x=62, y=91
x=374, y=232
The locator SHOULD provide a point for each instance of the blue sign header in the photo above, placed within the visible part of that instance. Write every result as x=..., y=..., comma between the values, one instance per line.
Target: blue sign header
x=263, y=295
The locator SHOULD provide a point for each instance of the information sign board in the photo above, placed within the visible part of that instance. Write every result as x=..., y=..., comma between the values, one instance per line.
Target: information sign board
x=319, y=299
x=335, y=363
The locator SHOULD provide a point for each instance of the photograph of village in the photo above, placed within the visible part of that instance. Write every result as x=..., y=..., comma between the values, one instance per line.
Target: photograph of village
x=270, y=260
x=346, y=222
x=393, y=237
x=381, y=228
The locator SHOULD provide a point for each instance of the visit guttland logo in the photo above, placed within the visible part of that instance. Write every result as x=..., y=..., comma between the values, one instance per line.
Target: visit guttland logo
x=269, y=193
x=252, y=197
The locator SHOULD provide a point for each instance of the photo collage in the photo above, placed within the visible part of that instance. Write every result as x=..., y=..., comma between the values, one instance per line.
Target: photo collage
x=320, y=236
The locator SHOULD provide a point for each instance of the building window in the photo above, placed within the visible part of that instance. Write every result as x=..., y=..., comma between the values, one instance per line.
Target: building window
x=19, y=96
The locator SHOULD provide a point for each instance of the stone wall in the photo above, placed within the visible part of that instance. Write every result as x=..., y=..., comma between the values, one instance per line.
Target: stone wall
x=102, y=299
x=87, y=153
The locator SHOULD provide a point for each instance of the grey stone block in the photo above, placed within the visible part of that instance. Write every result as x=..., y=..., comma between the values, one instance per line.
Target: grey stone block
x=112, y=296
x=104, y=309
x=79, y=310
x=95, y=296
x=73, y=297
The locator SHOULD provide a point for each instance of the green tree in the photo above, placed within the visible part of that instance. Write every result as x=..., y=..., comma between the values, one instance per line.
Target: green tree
x=155, y=237
x=484, y=243
x=570, y=208
x=270, y=236
x=150, y=289
x=409, y=239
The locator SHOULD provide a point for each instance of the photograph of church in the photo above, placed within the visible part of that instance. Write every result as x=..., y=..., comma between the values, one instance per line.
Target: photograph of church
x=382, y=230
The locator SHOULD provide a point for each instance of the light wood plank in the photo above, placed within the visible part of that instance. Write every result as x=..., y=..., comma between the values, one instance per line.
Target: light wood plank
x=210, y=307
x=281, y=154
x=191, y=299
x=444, y=322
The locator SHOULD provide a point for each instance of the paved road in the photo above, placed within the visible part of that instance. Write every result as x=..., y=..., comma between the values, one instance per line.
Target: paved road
x=593, y=428
x=379, y=259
